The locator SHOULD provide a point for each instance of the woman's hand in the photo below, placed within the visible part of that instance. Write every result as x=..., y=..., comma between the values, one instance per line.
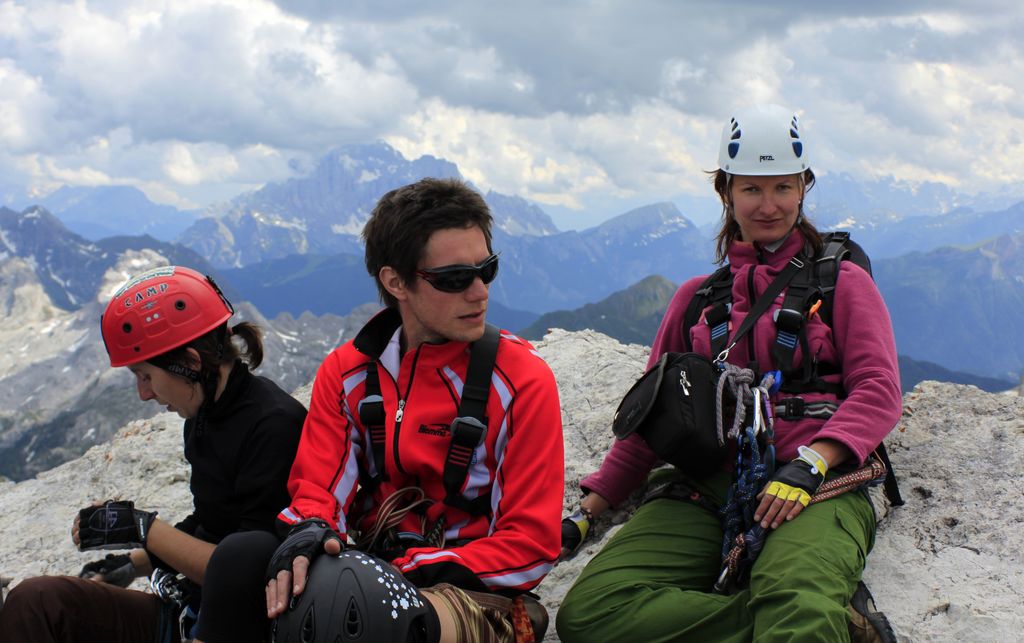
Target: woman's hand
x=793, y=485
x=576, y=526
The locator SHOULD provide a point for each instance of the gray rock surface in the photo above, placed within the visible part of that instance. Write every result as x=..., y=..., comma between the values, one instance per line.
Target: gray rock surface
x=945, y=567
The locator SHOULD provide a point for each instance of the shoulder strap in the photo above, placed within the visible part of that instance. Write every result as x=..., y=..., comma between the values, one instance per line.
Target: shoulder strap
x=477, y=387
x=469, y=428
x=810, y=292
x=764, y=301
x=371, y=416
x=838, y=247
x=716, y=292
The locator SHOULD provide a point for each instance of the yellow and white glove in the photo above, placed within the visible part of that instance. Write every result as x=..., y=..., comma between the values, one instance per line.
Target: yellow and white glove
x=799, y=479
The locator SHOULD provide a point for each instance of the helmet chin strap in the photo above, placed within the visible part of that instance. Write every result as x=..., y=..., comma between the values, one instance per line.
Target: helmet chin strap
x=207, y=381
x=181, y=370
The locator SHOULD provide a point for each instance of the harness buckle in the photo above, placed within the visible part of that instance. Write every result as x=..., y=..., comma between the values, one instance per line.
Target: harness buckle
x=717, y=314
x=788, y=320
x=793, y=408
x=468, y=432
x=371, y=410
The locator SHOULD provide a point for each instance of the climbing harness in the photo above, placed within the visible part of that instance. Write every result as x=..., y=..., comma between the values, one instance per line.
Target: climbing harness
x=669, y=406
x=169, y=587
x=811, y=292
x=468, y=429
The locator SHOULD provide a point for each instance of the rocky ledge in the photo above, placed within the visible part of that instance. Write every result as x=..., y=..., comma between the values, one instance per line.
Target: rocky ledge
x=946, y=566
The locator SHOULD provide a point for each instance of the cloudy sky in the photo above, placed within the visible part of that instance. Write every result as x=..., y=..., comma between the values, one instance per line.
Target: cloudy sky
x=584, y=107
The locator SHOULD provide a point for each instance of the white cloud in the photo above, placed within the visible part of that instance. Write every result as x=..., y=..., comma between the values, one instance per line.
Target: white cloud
x=571, y=105
x=565, y=160
x=181, y=165
x=25, y=108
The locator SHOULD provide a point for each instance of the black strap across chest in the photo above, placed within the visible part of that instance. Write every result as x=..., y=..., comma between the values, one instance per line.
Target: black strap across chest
x=468, y=429
x=810, y=289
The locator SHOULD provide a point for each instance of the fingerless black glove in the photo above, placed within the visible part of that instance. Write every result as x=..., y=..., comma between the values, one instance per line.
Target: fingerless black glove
x=305, y=539
x=114, y=569
x=116, y=524
x=575, y=529
x=799, y=479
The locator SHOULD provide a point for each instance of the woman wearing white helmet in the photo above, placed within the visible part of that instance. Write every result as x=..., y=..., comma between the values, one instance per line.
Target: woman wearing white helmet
x=673, y=572
x=169, y=327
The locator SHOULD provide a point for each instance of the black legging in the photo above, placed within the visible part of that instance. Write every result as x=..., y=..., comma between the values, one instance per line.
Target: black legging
x=234, y=606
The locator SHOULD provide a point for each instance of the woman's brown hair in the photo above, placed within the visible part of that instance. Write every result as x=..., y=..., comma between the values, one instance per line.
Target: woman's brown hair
x=216, y=347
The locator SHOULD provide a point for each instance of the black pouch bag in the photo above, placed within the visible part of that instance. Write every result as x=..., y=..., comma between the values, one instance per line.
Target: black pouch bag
x=672, y=407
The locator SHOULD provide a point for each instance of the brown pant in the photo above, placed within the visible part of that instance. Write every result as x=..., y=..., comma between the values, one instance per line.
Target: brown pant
x=65, y=609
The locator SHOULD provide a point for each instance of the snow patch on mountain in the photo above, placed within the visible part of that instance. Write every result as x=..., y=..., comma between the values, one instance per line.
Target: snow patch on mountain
x=32, y=328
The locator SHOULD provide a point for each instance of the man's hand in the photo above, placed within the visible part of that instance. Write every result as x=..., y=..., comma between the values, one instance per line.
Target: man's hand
x=791, y=488
x=115, y=524
x=286, y=574
x=114, y=570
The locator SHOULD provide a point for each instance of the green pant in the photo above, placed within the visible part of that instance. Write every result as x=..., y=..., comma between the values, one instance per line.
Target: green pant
x=652, y=582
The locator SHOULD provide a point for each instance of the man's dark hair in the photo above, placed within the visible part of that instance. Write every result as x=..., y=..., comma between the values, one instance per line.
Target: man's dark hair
x=401, y=223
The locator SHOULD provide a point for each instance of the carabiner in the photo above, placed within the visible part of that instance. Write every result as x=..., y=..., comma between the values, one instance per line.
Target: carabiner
x=757, y=422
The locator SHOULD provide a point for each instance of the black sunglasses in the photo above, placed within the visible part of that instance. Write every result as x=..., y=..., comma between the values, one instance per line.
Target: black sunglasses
x=458, y=277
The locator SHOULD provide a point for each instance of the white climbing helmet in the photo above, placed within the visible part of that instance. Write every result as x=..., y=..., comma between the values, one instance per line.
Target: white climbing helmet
x=762, y=140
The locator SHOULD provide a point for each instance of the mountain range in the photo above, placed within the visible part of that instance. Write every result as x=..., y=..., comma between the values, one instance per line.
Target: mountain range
x=292, y=251
x=111, y=210
x=68, y=266
x=324, y=212
x=58, y=395
x=633, y=315
x=962, y=308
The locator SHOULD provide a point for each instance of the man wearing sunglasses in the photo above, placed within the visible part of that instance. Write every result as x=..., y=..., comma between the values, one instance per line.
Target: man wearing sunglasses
x=428, y=246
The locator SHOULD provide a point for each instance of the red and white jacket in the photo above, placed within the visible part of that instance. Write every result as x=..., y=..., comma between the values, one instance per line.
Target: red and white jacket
x=510, y=548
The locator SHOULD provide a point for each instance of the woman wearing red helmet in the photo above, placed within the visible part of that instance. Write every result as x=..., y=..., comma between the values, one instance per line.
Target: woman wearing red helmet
x=169, y=327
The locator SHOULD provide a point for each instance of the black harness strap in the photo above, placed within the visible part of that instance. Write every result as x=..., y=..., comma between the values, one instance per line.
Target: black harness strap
x=791, y=318
x=764, y=301
x=892, y=488
x=680, y=490
x=815, y=283
x=468, y=429
x=372, y=417
x=715, y=294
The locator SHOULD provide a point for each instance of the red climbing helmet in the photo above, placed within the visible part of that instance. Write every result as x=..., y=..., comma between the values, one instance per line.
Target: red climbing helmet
x=160, y=310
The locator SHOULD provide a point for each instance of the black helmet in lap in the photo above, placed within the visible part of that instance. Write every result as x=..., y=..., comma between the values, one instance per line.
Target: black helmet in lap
x=354, y=597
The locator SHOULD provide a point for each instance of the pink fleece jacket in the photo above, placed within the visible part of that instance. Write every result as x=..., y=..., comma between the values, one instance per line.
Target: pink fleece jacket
x=860, y=341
